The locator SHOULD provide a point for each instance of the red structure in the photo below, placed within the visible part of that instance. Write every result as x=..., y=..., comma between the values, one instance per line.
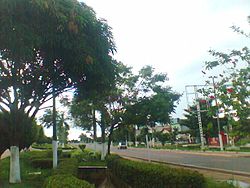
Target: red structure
x=214, y=141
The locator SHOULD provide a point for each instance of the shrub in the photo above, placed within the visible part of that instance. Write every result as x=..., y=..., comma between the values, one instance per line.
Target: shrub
x=86, y=155
x=66, y=154
x=82, y=146
x=148, y=175
x=64, y=176
x=67, y=166
x=35, y=154
x=43, y=163
x=50, y=153
x=66, y=180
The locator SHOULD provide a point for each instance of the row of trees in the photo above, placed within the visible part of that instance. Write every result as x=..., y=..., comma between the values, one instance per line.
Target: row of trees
x=141, y=99
x=46, y=48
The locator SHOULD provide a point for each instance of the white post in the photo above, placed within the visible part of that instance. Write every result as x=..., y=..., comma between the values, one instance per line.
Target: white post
x=147, y=148
x=14, y=165
x=103, y=152
x=54, y=147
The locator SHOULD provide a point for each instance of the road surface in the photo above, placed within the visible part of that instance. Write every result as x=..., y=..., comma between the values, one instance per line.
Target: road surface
x=225, y=161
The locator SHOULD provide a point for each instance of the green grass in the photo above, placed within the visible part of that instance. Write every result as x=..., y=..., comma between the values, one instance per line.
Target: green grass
x=195, y=147
x=93, y=163
x=210, y=183
x=28, y=180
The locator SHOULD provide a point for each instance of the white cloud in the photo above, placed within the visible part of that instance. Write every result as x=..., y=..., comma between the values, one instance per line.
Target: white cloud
x=173, y=36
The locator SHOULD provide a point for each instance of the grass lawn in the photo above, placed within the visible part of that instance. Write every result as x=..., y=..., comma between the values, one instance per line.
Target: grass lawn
x=28, y=180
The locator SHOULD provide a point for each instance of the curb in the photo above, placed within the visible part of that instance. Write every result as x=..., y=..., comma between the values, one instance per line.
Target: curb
x=207, y=153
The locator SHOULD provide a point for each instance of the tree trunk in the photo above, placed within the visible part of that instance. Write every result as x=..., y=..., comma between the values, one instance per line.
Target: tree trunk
x=110, y=138
x=14, y=165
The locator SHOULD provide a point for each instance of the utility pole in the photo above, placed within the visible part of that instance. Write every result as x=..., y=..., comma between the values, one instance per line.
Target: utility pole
x=217, y=114
x=198, y=110
x=199, y=117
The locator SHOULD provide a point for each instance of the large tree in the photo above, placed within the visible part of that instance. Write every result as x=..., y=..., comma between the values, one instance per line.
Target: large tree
x=46, y=47
x=154, y=101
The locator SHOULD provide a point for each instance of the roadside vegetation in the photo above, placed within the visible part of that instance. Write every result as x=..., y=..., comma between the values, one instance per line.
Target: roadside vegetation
x=37, y=172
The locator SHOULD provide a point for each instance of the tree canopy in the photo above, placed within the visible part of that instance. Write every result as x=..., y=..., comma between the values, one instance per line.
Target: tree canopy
x=47, y=47
x=45, y=44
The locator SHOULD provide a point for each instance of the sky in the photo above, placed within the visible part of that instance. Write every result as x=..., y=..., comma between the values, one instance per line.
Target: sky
x=173, y=36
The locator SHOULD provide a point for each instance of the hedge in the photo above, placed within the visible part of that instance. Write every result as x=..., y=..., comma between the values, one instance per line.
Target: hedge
x=86, y=155
x=66, y=180
x=64, y=176
x=82, y=146
x=148, y=175
x=43, y=163
x=67, y=166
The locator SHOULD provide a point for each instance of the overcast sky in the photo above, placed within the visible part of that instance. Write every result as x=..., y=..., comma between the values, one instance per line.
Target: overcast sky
x=173, y=36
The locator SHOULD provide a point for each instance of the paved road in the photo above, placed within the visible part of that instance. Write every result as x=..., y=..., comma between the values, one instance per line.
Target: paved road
x=225, y=161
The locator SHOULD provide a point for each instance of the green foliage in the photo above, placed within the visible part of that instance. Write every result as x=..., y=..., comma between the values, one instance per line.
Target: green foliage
x=163, y=137
x=47, y=46
x=232, y=87
x=69, y=181
x=43, y=163
x=67, y=166
x=82, y=146
x=28, y=180
x=61, y=124
x=66, y=154
x=86, y=155
x=46, y=146
x=243, y=141
x=153, y=101
x=26, y=130
x=42, y=138
x=210, y=183
x=209, y=124
x=154, y=175
x=65, y=176
x=42, y=146
x=93, y=163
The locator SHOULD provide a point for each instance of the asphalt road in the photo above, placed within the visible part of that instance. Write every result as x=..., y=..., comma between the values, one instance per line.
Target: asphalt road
x=225, y=161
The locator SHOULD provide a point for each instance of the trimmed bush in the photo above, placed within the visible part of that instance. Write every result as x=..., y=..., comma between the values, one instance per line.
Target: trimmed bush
x=43, y=163
x=86, y=155
x=67, y=166
x=50, y=153
x=66, y=180
x=82, y=146
x=64, y=176
x=148, y=175
x=66, y=154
